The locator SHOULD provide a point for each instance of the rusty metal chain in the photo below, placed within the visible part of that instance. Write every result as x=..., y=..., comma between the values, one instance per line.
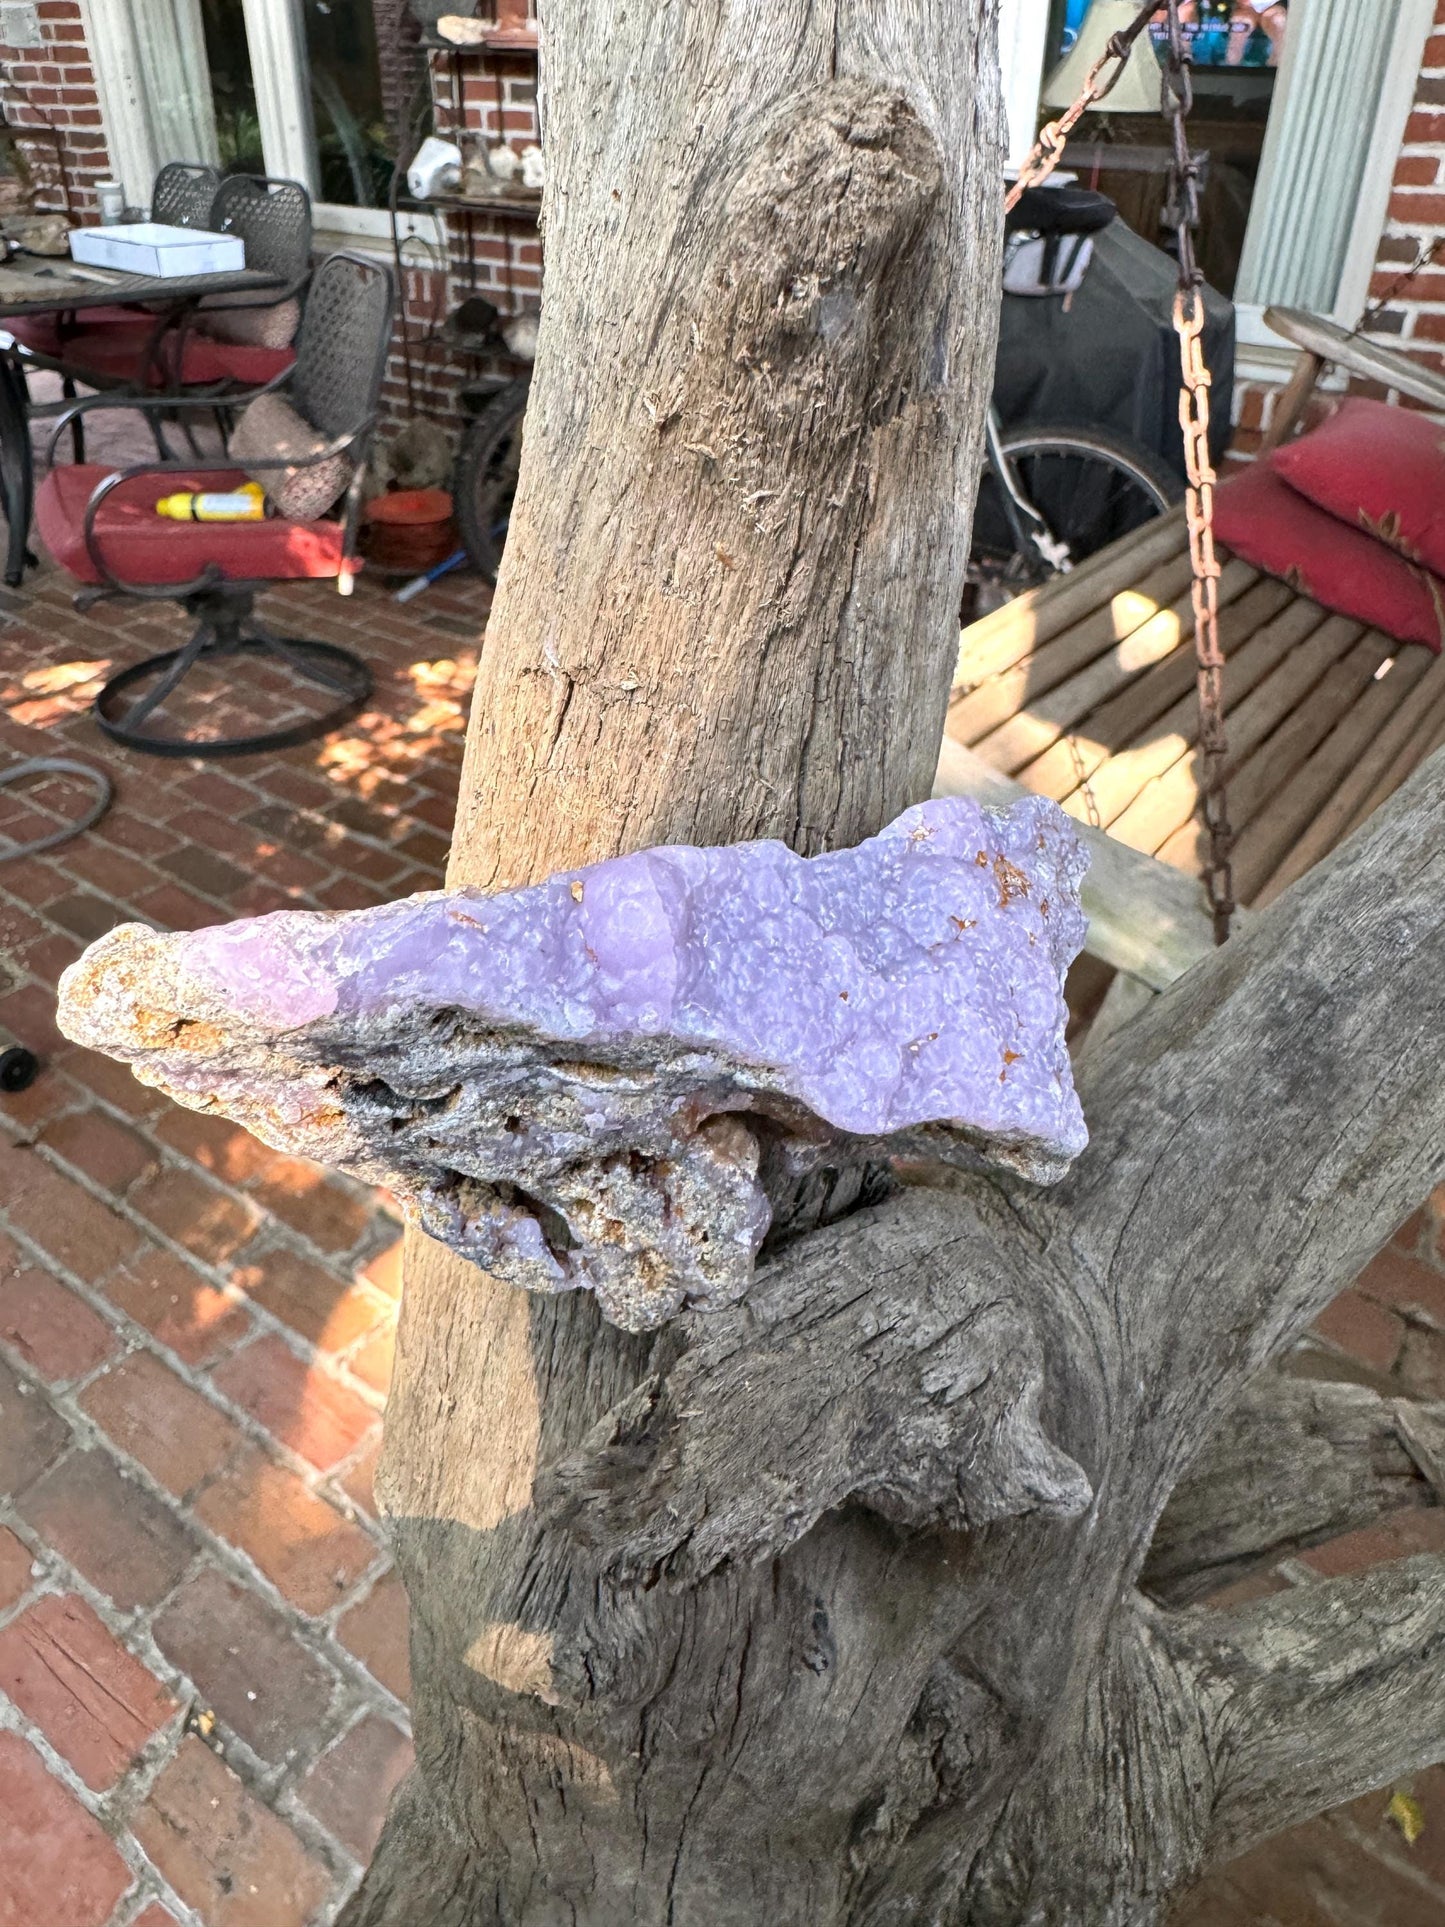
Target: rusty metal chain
x=1217, y=867
x=1182, y=214
x=1424, y=258
x=1049, y=147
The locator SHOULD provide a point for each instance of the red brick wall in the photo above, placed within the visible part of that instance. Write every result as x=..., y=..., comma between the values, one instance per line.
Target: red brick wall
x=1414, y=315
x=49, y=98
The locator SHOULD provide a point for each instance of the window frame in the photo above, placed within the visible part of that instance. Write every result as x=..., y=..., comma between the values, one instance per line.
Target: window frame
x=276, y=38
x=1264, y=355
x=275, y=35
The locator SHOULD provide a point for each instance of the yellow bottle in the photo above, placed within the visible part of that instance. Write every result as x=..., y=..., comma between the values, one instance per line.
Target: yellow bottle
x=245, y=504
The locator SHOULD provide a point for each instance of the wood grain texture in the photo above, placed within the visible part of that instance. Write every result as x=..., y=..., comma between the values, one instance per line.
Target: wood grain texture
x=960, y=1694
x=772, y=247
x=1385, y=759
x=1156, y=710
x=1142, y=565
x=919, y=1398
x=1322, y=1693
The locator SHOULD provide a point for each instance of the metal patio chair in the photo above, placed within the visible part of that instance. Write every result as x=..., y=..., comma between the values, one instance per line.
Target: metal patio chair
x=102, y=527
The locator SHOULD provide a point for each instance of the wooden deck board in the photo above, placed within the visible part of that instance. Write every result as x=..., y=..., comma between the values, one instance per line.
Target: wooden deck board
x=1158, y=702
x=1169, y=743
x=1019, y=628
x=1275, y=830
x=1083, y=691
x=1254, y=785
x=1032, y=725
x=1168, y=802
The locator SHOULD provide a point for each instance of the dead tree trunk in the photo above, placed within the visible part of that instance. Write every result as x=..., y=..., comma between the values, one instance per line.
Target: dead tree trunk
x=689, y=1647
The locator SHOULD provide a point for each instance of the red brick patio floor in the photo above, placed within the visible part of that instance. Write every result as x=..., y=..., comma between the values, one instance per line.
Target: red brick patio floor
x=203, y=1665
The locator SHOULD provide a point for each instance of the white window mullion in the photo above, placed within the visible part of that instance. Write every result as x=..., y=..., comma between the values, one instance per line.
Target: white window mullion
x=1023, y=32
x=276, y=37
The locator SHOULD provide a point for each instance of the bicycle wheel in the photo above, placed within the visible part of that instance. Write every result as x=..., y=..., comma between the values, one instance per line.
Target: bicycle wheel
x=486, y=477
x=1089, y=486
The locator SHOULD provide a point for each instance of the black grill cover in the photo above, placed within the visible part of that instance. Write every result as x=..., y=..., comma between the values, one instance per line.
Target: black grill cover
x=1108, y=357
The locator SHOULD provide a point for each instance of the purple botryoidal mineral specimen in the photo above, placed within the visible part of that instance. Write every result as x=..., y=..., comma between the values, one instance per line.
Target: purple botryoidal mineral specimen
x=614, y=1081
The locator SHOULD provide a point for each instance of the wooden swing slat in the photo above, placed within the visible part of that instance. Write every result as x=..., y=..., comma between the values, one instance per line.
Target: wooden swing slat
x=1145, y=919
x=1024, y=626
x=984, y=703
x=1170, y=745
x=1156, y=702
x=1383, y=762
x=1170, y=742
x=1083, y=690
x=1275, y=831
x=1040, y=722
x=1166, y=804
x=1255, y=784
x=1423, y=741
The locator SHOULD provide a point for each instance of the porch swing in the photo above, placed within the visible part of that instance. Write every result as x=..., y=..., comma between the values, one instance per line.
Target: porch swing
x=1102, y=688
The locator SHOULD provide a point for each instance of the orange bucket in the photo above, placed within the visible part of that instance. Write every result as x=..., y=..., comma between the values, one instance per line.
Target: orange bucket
x=409, y=530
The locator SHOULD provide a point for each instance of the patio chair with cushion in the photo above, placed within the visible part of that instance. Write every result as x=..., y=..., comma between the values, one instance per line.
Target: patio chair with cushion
x=306, y=438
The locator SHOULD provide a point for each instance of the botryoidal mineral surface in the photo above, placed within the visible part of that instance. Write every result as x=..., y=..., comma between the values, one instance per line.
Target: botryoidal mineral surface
x=614, y=1080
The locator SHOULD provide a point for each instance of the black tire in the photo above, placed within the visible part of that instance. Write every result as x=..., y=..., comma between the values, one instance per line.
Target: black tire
x=19, y=1068
x=1091, y=488
x=486, y=477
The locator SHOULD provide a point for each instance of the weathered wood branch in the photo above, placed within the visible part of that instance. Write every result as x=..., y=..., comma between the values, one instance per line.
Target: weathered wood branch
x=728, y=610
x=1320, y=1694
x=1261, y=1130
x=737, y=549
x=1296, y=1461
x=847, y=1373
x=1022, y=1614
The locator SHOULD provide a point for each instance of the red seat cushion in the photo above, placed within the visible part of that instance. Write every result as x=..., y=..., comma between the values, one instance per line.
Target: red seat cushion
x=1379, y=468
x=204, y=361
x=115, y=352
x=1261, y=518
x=43, y=334
x=141, y=546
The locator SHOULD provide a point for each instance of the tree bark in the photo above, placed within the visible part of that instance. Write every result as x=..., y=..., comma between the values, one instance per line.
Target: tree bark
x=735, y=563
x=824, y=1609
x=1299, y=1461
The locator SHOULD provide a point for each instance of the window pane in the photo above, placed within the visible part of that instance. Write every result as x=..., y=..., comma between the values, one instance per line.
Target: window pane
x=1235, y=45
x=368, y=94
x=233, y=90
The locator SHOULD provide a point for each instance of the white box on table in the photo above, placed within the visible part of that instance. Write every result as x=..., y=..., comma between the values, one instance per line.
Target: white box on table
x=152, y=247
